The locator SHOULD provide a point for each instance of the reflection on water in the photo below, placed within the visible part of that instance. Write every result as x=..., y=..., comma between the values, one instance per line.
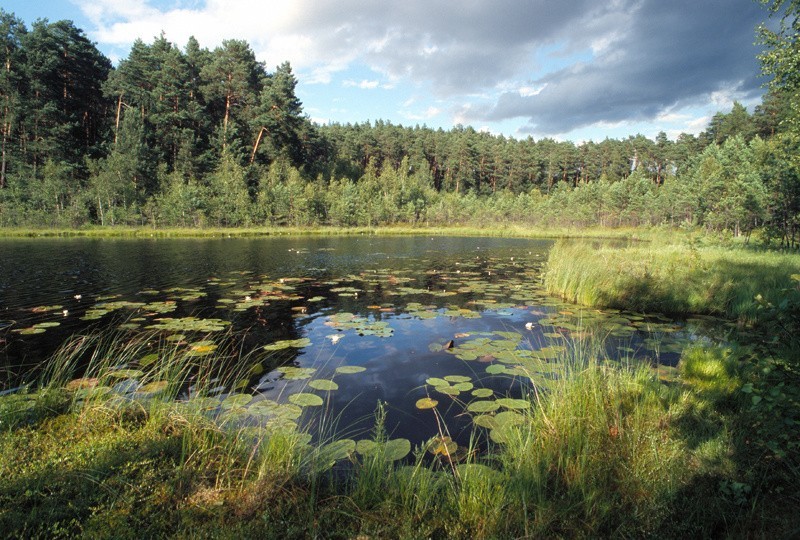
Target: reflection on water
x=461, y=323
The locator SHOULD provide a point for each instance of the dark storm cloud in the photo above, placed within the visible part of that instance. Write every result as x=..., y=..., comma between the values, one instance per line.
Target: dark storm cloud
x=669, y=53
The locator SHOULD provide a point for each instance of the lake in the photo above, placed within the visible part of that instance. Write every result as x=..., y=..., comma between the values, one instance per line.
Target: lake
x=442, y=330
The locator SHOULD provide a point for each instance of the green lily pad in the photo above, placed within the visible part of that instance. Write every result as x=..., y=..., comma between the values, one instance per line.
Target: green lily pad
x=236, y=401
x=485, y=420
x=435, y=381
x=293, y=373
x=350, y=369
x=510, y=403
x=495, y=369
x=483, y=406
x=306, y=400
x=126, y=373
x=366, y=447
x=337, y=450
x=426, y=403
x=323, y=384
x=153, y=387
x=286, y=343
x=396, y=449
x=482, y=392
x=457, y=378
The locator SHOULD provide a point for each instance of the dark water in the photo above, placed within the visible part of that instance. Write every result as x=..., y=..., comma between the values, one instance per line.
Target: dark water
x=387, y=304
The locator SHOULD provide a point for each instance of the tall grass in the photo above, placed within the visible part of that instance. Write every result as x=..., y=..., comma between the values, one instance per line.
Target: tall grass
x=603, y=451
x=674, y=279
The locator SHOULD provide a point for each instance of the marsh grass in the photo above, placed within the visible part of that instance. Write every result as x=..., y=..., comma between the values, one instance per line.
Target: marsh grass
x=677, y=279
x=605, y=450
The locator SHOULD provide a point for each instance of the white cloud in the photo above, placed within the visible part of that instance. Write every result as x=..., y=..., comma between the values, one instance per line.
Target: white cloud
x=363, y=84
x=640, y=58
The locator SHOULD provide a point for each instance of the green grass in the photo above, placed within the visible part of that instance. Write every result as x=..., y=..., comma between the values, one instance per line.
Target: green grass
x=606, y=451
x=670, y=278
x=508, y=230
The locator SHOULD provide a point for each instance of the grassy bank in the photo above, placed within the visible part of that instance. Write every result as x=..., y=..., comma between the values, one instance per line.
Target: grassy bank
x=677, y=279
x=508, y=230
x=606, y=451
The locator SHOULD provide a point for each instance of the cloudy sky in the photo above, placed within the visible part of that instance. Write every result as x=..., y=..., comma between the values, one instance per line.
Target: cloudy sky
x=569, y=69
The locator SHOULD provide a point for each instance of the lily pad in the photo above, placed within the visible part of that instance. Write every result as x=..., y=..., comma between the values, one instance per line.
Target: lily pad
x=286, y=343
x=153, y=387
x=236, y=401
x=444, y=446
x=457, y=378
x=482, y=392
x=510, y=403
x=323, y=384
x=396, y=449
x=306, y=400
x=350, y=369
x=426, y=403
x=293, y=373
x=337, y=450
x=483, y=406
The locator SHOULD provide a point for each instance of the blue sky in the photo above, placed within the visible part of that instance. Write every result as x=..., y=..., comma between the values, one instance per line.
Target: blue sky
x=568, y=69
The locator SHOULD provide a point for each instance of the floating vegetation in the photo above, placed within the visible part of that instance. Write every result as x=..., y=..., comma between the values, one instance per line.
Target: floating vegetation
x=477, y=331
x=190, y=324
x=202, y=348
x=296, y=373
x=350, y=369
x=323, y=384
x=426, y=403
x=303, y=399
x=287, y=343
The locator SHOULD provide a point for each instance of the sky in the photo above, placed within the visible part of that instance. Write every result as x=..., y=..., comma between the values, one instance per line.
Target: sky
x=568, y=69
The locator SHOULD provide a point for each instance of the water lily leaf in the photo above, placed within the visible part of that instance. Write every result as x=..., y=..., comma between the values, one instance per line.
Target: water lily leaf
x=153, y=387
x=350, y=369
x=457, y=378
x=483, y=406
x=202, y=348
x=30, y=331
x=293, y=373
x=366, y=447
x=435, y=381
x=449, y=390
x=236, y=401
x=495, y=369
x=426, y=403
x=306, y=400
x=510, y=403
x=337, y=450
x=323, y=384
x=51, y=324
x=512, y=418
x=288, y=411
x=396, y=449
x=485, y=420
x=442, y=446
x=482, y=392
x=126, y=373
x=286, y=343
x=463, y=386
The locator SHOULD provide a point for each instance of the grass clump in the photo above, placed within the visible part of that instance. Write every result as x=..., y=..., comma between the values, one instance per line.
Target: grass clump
x=675, y=279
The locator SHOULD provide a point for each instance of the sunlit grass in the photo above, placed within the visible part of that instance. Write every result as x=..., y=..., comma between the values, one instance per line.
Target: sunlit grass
x=674, y=278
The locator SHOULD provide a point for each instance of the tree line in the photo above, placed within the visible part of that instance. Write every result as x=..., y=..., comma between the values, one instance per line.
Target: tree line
x=189, y=136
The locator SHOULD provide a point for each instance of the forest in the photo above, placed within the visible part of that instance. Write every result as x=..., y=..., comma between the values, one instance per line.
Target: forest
x=192, y=137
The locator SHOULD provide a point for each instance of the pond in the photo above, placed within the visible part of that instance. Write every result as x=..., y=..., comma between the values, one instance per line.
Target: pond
x=319, y=330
